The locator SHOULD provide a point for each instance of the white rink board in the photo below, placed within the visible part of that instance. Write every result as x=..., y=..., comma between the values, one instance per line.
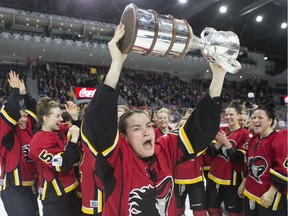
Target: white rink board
x=3, y=212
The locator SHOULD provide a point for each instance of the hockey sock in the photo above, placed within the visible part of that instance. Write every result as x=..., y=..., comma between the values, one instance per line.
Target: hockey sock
x=199, y=212
x=215, y=211
x=180, y=211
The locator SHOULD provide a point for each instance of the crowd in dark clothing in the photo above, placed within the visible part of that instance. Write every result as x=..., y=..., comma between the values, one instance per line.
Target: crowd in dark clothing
x=140, y=88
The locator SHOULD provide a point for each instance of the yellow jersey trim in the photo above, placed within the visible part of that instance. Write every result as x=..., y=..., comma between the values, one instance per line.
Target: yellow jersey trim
x=9, y=118
x=219, y=181
x=32, y=114
x=273, y=172
x=108, y=150
x=189, y=181
x=185, y=140
x=71, y=187
x=88, y=143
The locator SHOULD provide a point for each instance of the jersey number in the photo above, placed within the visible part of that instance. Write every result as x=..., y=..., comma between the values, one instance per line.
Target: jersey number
x=45, y=156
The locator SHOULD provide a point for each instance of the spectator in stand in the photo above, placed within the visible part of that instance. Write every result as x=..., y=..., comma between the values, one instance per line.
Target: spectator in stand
x=227, y=166
x=265, y=185
x=138, y=173
x=18, y=172
x=55, y=156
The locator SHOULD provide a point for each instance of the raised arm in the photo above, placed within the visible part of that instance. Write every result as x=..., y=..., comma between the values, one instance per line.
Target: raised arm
x=11, y=110
x=117, y=58
x=10, y=113
x=100, y=122
x=203, y=124
x=216, y=84
x=30, y=103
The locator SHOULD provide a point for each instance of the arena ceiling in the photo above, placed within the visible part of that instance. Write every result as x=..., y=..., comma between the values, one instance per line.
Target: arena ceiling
x=266, y=37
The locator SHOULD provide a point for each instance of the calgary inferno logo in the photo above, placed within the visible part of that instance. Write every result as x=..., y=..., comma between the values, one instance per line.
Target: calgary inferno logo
x=257, y=167
x=150, y=200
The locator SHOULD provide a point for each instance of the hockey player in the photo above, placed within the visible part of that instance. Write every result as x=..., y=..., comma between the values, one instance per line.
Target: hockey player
x=55, y=156
x=267, y=168
x=137, y=174
x=18, y=172
x=189, y=181
x=226, y=171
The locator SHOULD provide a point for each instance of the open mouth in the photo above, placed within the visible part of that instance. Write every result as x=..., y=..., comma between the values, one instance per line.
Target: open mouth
x=147, y=144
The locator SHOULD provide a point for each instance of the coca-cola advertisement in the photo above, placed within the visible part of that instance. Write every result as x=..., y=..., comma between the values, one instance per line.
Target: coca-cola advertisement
x=84, y=92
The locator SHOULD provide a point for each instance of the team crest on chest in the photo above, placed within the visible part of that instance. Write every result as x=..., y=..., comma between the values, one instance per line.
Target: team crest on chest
x=151, y=200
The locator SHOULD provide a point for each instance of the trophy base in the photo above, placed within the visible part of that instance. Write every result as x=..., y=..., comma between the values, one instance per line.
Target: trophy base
x=129, y=18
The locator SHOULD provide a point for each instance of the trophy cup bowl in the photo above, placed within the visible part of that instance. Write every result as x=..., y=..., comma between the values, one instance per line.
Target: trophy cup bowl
x=147, y=32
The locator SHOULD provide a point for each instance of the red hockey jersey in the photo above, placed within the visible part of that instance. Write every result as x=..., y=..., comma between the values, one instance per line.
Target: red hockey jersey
x=261, y=159
x=54, y=157
x=279, y=171
x=133, y=185
x=189, y=172
x=91, y=186
x=223, y=170
x=16, y=168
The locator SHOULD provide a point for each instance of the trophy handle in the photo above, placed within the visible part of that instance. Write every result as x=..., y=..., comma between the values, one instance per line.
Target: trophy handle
x=231, y=66
x=206, y=31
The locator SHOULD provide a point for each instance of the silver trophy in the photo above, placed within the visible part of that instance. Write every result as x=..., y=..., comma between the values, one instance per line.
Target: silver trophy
x=149, y=32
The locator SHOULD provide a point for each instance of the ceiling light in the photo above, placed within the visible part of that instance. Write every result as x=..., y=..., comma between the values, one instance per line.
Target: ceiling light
x=37, y=20
x=259, y=18
x=182, y=1
x=223, y=9
x=265, y=58
x=1, y=15
x=284, y=25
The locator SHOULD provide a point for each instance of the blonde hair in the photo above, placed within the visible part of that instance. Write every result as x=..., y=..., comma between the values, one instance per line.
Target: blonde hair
x=44, y=106
x=163, y=110
x=123, y=107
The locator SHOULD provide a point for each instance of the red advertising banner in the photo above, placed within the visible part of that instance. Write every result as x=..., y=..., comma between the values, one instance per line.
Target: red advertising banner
x=83, y=92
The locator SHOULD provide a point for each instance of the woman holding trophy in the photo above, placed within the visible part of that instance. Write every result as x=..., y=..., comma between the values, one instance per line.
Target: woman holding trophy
x=136, y=170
